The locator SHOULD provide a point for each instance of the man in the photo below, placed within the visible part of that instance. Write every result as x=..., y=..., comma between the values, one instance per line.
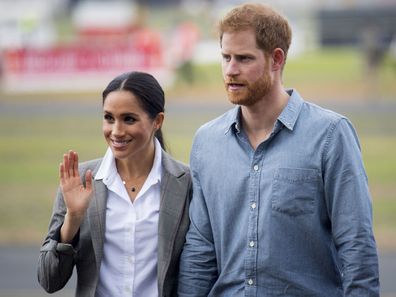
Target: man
x=281, y=205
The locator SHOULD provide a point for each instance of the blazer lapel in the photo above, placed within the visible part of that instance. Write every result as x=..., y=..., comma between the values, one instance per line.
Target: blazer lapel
x=173, y=199
x=97, y=217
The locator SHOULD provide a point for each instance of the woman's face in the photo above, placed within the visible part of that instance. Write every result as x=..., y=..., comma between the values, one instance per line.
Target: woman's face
x=127, y=128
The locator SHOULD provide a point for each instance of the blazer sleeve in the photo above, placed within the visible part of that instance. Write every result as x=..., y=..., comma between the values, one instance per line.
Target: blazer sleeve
x=56, y=260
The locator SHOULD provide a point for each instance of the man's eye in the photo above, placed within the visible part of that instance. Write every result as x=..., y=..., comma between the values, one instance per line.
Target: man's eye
x=244, y=58
x=226, y=58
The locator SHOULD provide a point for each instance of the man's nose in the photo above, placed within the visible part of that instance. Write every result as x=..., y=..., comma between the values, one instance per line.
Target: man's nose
x=232, y=68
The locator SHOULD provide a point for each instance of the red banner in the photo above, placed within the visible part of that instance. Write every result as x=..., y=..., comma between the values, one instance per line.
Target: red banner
x=78, y=60
x=79, y=67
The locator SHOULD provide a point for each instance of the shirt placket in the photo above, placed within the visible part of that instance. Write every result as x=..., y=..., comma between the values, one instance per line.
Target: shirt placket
x=252, y=236
x=129, y=272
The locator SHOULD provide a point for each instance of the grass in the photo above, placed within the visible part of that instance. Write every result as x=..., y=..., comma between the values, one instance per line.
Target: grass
x=380, y=159
x=30, y=154
x=380, y=163
x=336, y=74
x=32, y=143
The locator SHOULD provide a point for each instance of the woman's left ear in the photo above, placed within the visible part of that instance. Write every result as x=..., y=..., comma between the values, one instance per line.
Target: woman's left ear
x=158, y=121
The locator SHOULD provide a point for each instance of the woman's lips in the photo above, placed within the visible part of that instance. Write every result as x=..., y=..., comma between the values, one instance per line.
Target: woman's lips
x=119, y=144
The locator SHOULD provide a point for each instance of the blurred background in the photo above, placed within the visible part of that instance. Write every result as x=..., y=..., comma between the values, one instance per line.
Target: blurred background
x=56, y=56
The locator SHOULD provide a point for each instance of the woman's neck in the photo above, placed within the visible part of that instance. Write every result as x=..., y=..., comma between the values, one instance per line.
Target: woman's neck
x=136, y=166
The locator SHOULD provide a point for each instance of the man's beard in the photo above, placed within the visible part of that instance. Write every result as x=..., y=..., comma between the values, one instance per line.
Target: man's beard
x=251, y=93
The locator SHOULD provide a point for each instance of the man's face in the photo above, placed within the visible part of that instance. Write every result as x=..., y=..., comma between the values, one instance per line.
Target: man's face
x=245, y=68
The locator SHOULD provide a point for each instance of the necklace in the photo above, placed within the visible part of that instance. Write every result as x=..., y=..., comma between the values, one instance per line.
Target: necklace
x=133, y=189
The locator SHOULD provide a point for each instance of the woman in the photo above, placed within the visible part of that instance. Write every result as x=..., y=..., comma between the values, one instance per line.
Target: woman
x=121, y=220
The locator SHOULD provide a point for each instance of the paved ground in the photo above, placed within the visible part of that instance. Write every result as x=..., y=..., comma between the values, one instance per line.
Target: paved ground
x=18, y=274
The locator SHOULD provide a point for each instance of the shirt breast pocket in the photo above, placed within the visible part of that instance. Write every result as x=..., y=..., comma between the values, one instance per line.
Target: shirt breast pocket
x=294, y=190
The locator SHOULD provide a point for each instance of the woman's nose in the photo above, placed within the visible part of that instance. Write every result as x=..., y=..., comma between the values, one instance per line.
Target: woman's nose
x=118, y=129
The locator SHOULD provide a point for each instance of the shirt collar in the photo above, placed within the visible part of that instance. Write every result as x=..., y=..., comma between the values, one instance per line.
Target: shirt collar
x=288, y=116
x=233, y=120
x=156, y=171
x=108, y=170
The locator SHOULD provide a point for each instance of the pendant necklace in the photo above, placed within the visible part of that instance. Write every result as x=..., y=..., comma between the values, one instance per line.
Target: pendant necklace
x=133, y=189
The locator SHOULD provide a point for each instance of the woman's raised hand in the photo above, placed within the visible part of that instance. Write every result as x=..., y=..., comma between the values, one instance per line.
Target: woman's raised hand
x=76, y=196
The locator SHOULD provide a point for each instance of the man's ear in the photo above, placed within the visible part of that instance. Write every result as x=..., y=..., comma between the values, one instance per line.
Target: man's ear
x=278, y=59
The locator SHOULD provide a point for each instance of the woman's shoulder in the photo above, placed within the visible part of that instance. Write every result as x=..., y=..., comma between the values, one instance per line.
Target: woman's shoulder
x=174, y=166
x=91, y=164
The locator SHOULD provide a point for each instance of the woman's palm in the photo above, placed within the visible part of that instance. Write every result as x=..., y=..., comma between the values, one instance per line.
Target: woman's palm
x=75, y=194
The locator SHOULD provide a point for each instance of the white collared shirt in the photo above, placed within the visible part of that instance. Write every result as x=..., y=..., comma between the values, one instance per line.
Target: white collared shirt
x=129, y=264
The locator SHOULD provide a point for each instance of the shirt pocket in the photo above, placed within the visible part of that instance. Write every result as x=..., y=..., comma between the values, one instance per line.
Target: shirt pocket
x=294, y=190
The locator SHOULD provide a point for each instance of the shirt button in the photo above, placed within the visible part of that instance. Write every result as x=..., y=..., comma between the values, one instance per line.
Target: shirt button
x=250, y=282
x=255, y=167
x=130, y=259
x=251, y=244
x=253, y=205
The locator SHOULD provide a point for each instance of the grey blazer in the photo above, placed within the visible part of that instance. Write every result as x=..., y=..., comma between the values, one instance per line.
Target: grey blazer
x=57, y=260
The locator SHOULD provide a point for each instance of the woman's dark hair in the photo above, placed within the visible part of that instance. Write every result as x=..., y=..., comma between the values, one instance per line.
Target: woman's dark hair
x=146, y=89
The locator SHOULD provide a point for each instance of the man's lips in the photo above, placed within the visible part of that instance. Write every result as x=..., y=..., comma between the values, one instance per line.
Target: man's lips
x=233, y=86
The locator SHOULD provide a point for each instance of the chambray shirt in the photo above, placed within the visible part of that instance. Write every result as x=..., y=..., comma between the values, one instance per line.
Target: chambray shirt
x=291, y=218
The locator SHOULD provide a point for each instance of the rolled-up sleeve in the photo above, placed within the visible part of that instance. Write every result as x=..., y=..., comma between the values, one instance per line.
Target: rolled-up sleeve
x=349, y=206
x=56, y=260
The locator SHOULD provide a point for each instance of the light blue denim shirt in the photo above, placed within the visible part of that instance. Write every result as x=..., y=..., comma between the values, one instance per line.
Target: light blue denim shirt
x=291, y=218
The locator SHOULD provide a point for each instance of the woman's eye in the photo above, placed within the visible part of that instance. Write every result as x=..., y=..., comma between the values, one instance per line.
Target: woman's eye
x=129, y=119
x=108, y=117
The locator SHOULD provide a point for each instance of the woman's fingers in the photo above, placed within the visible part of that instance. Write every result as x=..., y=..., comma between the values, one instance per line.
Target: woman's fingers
x=70, y=168
x=61, y=171
x=66, y=165
x=88, y=180
x=75, y=165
